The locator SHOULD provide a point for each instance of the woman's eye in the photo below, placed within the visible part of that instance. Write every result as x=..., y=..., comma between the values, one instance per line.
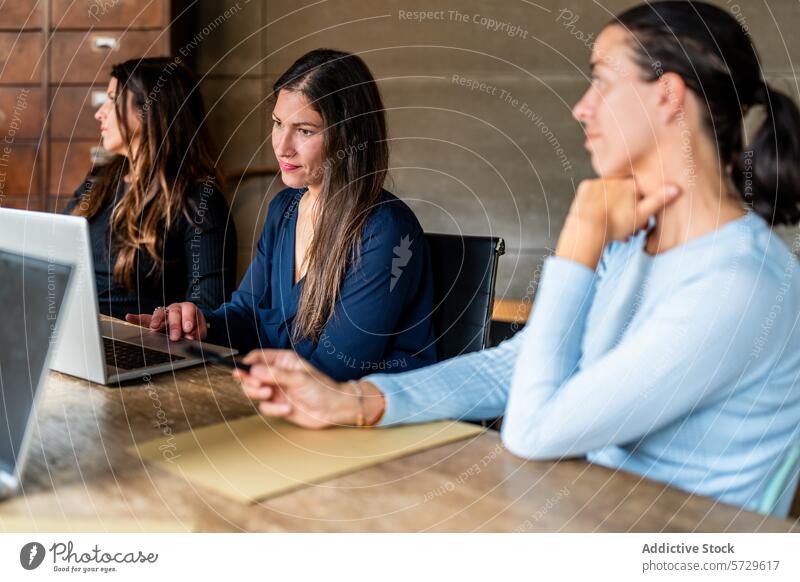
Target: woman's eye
x=276, y=123
x=306, y=132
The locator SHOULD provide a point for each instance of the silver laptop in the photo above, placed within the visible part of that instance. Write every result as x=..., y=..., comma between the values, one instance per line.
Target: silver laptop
x=31, y=292
x=100, y=350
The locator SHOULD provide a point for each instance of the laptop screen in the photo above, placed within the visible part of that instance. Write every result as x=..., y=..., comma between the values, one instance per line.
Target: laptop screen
x=31, y=292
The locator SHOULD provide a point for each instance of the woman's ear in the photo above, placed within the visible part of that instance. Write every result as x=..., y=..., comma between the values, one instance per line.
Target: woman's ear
x=672, y=95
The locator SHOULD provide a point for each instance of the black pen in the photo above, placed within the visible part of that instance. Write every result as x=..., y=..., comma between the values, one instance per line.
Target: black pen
x=214, y=358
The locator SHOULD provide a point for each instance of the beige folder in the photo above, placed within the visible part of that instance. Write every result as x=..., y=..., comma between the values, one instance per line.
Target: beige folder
x=255, y=458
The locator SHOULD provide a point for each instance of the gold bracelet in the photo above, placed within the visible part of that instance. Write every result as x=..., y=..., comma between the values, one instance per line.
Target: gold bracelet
x=360, y=393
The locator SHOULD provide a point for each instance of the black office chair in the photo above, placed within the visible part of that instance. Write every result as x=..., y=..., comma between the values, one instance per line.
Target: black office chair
x=464, y=275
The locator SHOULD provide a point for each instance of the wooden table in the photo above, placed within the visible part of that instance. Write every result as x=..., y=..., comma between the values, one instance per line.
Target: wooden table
x=79, y=468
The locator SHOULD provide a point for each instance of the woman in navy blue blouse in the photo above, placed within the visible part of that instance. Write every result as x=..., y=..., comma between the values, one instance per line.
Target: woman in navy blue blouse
x=342, y=270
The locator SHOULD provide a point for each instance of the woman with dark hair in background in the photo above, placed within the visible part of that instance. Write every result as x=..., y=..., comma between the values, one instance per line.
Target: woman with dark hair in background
x=664, y=336
x=158, y=219
x=342, y=271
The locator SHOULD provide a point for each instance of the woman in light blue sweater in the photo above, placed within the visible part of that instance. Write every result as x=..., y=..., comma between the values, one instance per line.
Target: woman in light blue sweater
x=665, y=335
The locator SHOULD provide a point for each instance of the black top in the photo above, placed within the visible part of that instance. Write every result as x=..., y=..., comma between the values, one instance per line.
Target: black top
x=199, y=257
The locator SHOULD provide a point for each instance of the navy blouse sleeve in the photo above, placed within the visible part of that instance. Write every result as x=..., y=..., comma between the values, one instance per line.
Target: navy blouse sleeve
x=209, y=244
x=236, y=322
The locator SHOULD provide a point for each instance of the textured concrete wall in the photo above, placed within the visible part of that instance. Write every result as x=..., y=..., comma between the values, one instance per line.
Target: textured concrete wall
x=503, y=158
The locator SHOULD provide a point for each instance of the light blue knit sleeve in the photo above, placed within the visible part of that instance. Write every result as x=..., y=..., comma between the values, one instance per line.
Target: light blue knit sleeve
x=692, y=350
x=470, y=387
x=475, y=386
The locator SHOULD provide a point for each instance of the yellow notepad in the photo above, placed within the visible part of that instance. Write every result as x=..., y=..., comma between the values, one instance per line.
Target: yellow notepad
x=254, y=458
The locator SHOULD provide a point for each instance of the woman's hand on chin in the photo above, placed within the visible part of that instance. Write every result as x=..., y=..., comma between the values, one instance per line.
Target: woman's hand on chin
x=605, y=210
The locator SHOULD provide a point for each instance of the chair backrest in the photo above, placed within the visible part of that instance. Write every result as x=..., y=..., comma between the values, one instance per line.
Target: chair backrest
x=464, y=275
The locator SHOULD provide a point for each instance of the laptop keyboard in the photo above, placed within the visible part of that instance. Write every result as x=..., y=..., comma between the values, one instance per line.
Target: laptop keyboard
x=127, y=356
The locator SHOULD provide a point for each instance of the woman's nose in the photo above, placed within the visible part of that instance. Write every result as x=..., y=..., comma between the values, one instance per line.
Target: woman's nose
x=581, y=111
x=283, y=144
x=99, y=114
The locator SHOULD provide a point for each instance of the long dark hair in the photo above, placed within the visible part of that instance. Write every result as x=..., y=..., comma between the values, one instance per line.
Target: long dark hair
x=174, y=155
x=341, y=88
x=715, y=57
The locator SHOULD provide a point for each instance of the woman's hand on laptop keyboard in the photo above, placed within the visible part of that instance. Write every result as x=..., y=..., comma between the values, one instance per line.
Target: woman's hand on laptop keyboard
x=182, y=320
